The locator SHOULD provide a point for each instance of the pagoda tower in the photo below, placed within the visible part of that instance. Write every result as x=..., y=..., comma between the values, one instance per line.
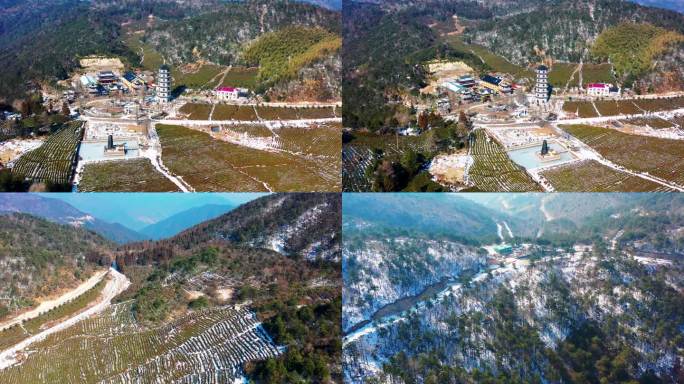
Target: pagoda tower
x=164, y=84
x=541, y=89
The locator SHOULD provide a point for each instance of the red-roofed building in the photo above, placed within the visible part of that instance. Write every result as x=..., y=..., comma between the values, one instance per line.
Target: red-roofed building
x=227, y=93
x=598, y=89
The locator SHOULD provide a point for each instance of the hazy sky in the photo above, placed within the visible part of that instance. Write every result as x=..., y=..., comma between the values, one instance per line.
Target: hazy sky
x=137, y=210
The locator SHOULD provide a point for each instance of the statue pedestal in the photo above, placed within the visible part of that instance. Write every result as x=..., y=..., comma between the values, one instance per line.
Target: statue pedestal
x=551, y=156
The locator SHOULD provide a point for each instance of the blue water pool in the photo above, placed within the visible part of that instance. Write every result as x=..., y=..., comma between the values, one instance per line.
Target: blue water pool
x=527, y=157
x=95, y=151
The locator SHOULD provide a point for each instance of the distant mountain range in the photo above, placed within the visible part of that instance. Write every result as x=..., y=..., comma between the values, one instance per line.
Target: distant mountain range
x=675, y=5
x=183, y=220
x=297, y=225
x=60, y=212
x=530, y=216
x=330, y=4
x=431, y=214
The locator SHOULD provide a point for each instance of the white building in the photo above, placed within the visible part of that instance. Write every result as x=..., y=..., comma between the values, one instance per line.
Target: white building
x=229, y=93
x=164, y=84
x=598, y=89
x=541, y=89
x=602, y=89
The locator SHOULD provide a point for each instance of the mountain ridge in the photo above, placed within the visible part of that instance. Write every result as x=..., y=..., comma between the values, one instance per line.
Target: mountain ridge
x=178, y=222
x=64, y=213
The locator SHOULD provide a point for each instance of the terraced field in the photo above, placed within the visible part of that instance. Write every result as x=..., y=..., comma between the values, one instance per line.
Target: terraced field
x=251, y=113
x=202, y=78
x=241, y=77
x=662, y=104
x=494, y=171
x=659, y=157
x=209, y=346
x=357, y=155
x=54, y=161
x=17, y=333
x=281, y=113
x=597, y=73
x=495, y=62
x=612, y=108
x=196, y=111
x=124, y=176
x=235, y=112
x=653, y=122
x=300, y=159
x=585, y=109
x=592, y=176
x=560, y=74
x=355, y=161
x=581, y=108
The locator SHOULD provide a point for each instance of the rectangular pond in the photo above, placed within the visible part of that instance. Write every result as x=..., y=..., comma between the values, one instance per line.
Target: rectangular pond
x=527, y=157
x=94, y=151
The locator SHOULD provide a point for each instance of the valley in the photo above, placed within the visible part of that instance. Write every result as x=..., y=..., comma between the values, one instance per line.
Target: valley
x=235, y=297
x=524, y=307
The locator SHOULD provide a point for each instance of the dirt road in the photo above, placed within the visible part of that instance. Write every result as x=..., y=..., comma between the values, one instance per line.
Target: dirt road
x=116, y=284
x=54, y=303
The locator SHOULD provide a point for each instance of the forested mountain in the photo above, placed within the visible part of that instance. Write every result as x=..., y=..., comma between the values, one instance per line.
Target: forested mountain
x=523, y=38
x=60, y=212
x=290, y=299
x=435, y=215
x=42, y=41
x=233, y=26
x=384, y=45
x=281, y=252
x=596, y=300
x=299, y=225
x=39, y=258
x=293, y=53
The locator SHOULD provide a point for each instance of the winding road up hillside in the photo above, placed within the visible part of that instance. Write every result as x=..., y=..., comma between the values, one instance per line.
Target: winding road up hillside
x=116, y=284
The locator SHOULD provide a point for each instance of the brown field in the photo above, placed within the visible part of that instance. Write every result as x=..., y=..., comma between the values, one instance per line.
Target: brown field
x=560, y=74
x=592, y=176
x=653, y=122
x=662, y=104
x=659, y=157
x=307, y=160
x=585, y=109
x=612, y=107
x=581, y=108
x=597, y=73
x=241, y=77
x=247, y=112
x=234, y=112
x=196, y=111
x=124, y=176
